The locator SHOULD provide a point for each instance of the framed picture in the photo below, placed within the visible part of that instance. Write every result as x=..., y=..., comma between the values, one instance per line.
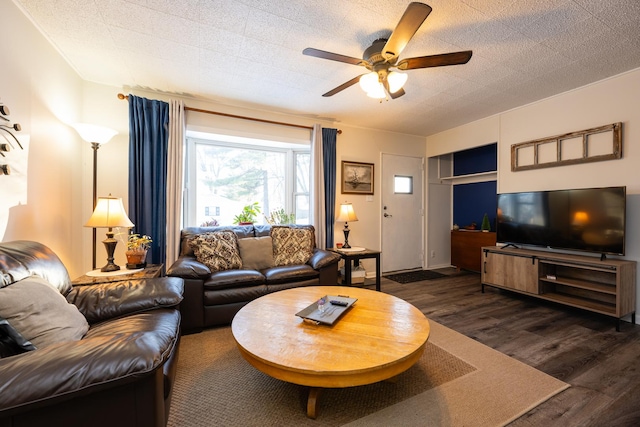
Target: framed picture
x=357, y=178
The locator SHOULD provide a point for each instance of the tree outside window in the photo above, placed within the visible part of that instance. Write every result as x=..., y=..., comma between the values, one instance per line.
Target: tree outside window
x=230, y=177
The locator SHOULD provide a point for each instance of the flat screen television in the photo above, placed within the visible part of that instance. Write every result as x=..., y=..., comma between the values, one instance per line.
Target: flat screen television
x=590, y=219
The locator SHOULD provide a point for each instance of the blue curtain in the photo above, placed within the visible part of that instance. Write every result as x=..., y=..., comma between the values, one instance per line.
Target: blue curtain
x=148, y=141
x=329, y=155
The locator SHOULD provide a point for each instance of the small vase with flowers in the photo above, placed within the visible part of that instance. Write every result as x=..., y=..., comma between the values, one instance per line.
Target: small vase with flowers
x=137, y=247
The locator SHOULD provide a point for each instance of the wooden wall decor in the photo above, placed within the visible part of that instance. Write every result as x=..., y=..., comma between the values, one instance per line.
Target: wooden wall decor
x=585, y=146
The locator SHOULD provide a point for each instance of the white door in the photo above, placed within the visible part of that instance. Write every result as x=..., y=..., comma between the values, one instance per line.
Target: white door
x=402, y=213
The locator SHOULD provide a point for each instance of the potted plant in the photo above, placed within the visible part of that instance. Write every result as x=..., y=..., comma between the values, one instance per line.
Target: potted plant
x=210, y=223
x=486, y=225
x=137, y=247
x=279, y=216
x=248, y=215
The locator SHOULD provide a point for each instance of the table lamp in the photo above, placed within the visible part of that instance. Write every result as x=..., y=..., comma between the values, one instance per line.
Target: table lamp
x=347, y=214
x=109, y=213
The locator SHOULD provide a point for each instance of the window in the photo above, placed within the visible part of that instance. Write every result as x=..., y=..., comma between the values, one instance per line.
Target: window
x=224, y=176
x=402, y=184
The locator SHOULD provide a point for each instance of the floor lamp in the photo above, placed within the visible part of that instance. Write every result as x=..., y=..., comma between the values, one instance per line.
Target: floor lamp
x=96, y=135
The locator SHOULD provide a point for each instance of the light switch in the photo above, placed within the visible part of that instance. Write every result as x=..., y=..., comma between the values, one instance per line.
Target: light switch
x=369, y=198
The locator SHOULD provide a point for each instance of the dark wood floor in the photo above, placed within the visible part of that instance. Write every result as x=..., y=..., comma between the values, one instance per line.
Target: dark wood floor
x=575, y=346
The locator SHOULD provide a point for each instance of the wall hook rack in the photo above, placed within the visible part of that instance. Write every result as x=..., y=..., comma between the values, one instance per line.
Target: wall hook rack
x=9, y=128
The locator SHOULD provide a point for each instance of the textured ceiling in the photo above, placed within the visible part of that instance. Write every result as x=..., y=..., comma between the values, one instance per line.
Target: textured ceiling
x=249, y=52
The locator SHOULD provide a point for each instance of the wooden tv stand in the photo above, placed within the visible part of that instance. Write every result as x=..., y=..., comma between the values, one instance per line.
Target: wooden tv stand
x=602, y=286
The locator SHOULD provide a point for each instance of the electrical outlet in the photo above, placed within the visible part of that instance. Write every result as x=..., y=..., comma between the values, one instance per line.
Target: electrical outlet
x=433, y=254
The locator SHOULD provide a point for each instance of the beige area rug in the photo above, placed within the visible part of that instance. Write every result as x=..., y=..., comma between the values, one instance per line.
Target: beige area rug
x=457, y=382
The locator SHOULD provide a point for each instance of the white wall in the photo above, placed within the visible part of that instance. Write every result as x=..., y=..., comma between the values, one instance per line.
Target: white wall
x=609, y=101
x=605, y=102
x=39, y=200
x=367, y=146
x=474, y=134
x=48, y=197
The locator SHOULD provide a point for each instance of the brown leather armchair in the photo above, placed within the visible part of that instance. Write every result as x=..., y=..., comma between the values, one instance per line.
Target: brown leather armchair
x=121, y=373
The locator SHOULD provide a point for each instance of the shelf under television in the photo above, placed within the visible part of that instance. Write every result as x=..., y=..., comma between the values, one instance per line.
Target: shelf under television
x=583, y=303
x=582, y=284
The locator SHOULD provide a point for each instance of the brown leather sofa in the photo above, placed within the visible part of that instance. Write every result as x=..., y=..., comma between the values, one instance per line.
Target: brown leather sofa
x=212, y=299
x=120, y=373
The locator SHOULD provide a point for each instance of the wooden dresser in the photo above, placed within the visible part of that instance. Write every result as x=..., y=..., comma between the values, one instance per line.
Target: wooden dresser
x=466, y=252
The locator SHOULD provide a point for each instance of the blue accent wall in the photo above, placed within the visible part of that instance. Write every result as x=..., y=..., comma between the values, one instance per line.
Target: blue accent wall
x=472, y=201
x=476, y=160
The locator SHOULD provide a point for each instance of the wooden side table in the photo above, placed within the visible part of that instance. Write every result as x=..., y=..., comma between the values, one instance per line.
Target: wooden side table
x=466, y=252
x=356, y=256
x=149, y=272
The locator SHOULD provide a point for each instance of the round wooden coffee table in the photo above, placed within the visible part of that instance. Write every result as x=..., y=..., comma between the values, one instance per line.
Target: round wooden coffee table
x=378, y=338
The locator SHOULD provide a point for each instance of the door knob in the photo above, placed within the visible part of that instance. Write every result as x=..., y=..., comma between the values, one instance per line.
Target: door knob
x=386, y=215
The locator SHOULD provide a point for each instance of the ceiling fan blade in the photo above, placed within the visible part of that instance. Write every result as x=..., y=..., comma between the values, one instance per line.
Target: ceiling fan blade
x=332, y=56
x=397, y=94
x=413, y=17
x=454, y=58
x=343, y=86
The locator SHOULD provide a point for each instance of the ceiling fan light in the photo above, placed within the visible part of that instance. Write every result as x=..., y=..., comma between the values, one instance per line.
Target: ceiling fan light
x=377, y=92
x=369, y=81
x=396, y=81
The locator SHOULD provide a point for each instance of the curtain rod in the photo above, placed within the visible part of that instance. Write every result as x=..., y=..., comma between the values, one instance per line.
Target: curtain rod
x=198, y=110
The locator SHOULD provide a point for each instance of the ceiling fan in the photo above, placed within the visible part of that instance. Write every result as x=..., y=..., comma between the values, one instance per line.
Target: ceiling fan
x=383, y=55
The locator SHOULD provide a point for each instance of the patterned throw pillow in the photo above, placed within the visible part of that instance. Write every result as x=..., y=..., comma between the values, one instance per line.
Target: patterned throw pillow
x=217, y=250
x=291, y=245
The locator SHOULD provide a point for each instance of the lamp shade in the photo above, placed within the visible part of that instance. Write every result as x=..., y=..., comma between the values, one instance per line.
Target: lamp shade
x=378, y=92
x=396, y=81
x=109, y=212
x=94, y=133
x=347, y=214
x=370, y=83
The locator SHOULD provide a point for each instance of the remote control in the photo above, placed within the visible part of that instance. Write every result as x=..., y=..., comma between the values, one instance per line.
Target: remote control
x=340, y=303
